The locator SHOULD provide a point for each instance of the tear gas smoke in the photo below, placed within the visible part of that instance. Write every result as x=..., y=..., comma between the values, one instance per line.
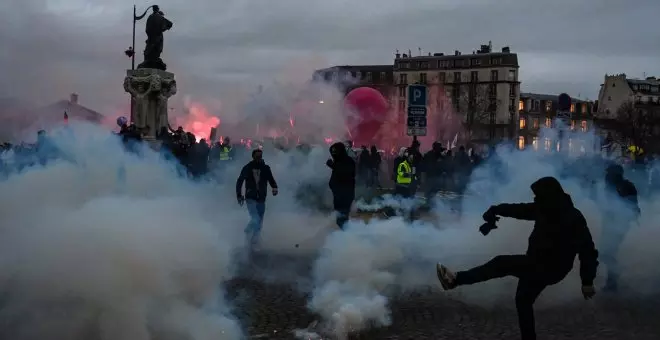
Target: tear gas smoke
x=360, y=269
x=87, y=255
x=146, y=254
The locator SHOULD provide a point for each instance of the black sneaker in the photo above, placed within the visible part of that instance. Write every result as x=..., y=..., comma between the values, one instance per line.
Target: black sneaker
x=446, y=277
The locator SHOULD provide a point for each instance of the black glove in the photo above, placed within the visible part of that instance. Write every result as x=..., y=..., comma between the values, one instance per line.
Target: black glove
x=490, y=216
x=240, y=200
x=329, y=163
x=487, y=227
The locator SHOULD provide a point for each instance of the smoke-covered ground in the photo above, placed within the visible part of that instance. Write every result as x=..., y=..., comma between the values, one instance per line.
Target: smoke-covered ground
x=109, y=245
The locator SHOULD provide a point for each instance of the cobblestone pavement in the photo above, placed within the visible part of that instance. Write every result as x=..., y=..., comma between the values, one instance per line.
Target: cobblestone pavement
x=273, y=310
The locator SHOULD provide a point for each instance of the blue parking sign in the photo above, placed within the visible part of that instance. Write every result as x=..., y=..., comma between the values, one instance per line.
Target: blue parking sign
x=417, y=95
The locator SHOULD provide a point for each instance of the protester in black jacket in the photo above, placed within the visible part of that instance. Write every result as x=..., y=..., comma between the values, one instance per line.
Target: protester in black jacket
x=620, y=211
x=257, y=176
x=342, y=182
x=560, y=233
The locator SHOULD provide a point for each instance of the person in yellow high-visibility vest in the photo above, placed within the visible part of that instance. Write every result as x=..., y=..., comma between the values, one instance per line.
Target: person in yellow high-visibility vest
x=405, y=176
x=225, y=150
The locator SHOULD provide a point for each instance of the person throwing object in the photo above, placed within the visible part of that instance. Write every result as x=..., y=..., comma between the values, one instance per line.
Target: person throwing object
x=256, y=175
x=560, y=233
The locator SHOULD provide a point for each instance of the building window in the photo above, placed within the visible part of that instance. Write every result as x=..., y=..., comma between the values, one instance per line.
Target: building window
x=547, y=144
x=474, y=76
x=523, y=123
x=495, y=61
x=422, y=78
x=572, y=125
x=583, y=126
x=584, y=108
x=609, y=98
x=494, y=76
x=423, y=65
x=402, y=91
x=353, y=74
x=512, y=75
x=521, y=142
x=441, y=77
x=535, y=123
x=548, y=122
x=512, y=90
x=521, y=105
x=457, y=77
x=492, y=90
x=383, y=76
x=368, y=77
x=512, y=104
x=535, y=143
x=475, y=62
x=403, y=79
x=548, y=106
x=572, y=108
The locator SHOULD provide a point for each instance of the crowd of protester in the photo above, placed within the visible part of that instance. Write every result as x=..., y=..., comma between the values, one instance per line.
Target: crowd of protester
x=439, y=169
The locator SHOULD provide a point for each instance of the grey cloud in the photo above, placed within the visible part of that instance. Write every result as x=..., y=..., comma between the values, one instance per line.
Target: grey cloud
x=217, y=46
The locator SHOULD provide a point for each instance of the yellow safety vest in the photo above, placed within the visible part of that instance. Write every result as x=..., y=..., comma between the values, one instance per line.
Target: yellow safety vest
x=224, y=154
x=403, y=174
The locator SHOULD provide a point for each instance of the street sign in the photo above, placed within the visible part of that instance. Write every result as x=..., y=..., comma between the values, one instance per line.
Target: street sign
x=417, y=95
x=416, y=122
x=416, y=131
x=416, y=111
x=417, y=101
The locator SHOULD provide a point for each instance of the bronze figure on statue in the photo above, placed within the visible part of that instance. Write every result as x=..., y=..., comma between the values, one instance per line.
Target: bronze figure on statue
x=156, y=25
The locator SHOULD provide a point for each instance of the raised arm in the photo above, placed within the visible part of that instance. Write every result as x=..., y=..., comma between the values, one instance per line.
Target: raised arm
x=519, y=211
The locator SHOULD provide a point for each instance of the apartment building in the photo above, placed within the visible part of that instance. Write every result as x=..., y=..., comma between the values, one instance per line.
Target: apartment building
x=618, y=90
x=537, y=111
x=348, y=77
x=482, y=87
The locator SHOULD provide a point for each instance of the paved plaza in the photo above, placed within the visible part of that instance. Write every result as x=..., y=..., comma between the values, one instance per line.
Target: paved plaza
x=273, y=310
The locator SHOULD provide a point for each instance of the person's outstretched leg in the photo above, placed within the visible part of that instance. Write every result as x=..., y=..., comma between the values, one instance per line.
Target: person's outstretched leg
x=527, y=292
x=499, y=266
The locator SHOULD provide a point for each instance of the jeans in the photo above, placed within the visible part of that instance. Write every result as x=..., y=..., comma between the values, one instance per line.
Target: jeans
x=342, y=200
x=253, y=229
x=533, y=278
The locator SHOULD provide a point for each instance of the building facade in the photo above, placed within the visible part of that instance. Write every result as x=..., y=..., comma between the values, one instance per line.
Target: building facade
x=617, y=90
x=481, y=88
x=537, y=111
x=629, y=111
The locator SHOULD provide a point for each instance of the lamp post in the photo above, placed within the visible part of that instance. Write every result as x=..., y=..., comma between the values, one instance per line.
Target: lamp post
x=130, y=52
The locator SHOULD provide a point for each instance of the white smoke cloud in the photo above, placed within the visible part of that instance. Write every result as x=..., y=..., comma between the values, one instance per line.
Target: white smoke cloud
x=361, y=269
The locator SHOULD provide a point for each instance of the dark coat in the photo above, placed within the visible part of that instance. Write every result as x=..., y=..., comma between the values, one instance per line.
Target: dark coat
x=255, y=190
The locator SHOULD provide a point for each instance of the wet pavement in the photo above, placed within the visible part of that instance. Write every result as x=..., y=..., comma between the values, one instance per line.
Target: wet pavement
x=275, y=309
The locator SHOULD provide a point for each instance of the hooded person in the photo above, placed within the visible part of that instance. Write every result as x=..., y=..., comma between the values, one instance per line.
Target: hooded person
x=257, y=176
x=621, y=211
x=342, y=182
x=560, y=233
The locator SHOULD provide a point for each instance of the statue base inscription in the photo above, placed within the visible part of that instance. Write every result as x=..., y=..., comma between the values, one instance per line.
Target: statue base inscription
x=150, y=90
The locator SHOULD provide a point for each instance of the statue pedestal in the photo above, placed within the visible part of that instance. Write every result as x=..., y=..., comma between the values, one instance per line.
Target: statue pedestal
x=150, y=90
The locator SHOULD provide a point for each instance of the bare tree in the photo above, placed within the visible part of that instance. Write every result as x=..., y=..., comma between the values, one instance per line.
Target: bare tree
x=479, y=104
x=637, y=124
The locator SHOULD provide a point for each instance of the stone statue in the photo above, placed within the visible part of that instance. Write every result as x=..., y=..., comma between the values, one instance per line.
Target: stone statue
x=156, y=25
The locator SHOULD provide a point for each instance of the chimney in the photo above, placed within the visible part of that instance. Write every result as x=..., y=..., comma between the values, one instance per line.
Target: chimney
x=506, y=49
x=457, y=52
x=74, y=98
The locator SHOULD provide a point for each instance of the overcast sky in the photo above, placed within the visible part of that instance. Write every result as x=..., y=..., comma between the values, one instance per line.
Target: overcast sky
x=49, y=48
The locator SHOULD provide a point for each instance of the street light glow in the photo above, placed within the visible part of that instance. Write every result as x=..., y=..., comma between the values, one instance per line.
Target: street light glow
x=321, y=102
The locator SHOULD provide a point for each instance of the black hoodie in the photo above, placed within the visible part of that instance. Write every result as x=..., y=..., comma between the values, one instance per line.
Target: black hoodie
x=560, y=231
x=343, y=168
